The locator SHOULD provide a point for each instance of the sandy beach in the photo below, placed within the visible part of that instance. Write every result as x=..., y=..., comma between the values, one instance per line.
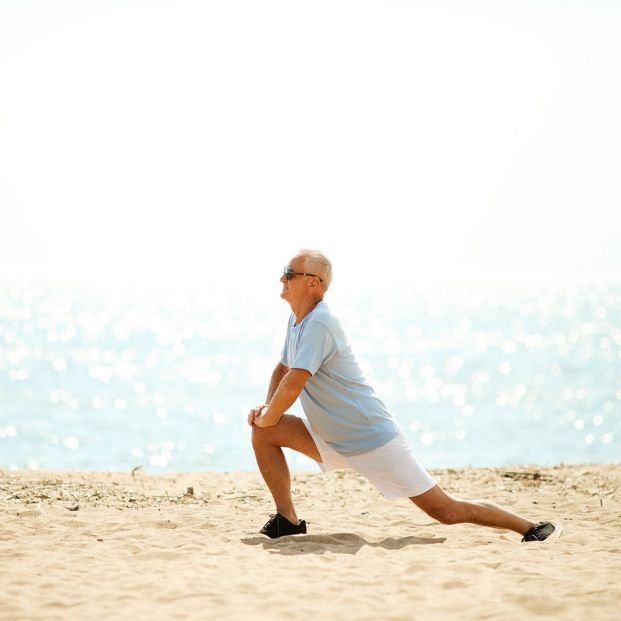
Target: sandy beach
x=81, y=545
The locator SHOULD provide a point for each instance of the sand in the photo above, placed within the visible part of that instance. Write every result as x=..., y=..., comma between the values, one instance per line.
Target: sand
x=78, y=545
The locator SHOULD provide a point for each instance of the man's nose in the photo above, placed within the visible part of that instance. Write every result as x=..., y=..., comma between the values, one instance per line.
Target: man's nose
x=283, y=279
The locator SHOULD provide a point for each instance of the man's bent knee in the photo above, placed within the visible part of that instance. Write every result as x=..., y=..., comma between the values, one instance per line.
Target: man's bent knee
x=450, y=514
x=275, y=435
x=262, y=436
x=289, y=432
x=437, y=504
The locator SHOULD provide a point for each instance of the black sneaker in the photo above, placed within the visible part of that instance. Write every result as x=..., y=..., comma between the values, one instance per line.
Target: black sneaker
x=539, y=532
x=278, y=526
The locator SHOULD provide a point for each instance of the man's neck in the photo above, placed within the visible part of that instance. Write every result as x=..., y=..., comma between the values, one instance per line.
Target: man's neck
x=304, y=309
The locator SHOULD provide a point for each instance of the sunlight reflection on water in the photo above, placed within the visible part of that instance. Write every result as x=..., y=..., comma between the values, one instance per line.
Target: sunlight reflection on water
x=475, y=376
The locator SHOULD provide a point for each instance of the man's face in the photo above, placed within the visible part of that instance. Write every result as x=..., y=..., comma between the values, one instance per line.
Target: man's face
x=296, y=288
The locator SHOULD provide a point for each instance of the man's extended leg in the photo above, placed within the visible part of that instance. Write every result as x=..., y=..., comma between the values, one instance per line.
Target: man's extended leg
x=267, y=443
x=448, y=510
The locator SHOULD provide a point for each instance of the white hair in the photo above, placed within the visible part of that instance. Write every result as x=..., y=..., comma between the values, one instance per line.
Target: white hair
x=316, y=262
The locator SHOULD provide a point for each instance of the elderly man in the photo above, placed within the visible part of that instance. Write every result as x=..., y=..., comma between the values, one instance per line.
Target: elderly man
x=347, y=425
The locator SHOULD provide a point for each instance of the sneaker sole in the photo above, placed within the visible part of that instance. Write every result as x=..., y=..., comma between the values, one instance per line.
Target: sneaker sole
x=558, y=530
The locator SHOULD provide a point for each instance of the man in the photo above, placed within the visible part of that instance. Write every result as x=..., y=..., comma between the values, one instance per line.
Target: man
x=347, y=425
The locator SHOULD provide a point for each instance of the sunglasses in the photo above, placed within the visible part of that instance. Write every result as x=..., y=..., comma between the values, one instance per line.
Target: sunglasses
x=288, y=273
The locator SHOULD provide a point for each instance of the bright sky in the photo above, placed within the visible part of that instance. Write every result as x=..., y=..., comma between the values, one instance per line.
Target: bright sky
x=196, y=138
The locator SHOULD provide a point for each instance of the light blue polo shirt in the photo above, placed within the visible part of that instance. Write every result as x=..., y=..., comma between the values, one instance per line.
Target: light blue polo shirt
x=340, y=405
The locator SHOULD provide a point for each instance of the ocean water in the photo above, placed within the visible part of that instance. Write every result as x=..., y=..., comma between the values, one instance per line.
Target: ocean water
x=477, y=375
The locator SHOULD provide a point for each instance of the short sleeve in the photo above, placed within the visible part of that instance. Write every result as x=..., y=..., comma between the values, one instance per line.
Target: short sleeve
x=316, y=347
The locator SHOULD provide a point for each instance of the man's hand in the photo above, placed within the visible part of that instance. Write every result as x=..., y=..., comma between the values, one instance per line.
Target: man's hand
x=258, y=418
x=288, y=391
x=261, y=421
x=255, y=413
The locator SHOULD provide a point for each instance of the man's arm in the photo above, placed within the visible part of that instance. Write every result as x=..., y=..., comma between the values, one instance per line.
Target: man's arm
x=279, y=372
x=288, y=390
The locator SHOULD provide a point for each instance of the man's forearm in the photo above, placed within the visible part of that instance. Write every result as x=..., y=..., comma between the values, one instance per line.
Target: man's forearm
x=284, y=397
x=279, y=372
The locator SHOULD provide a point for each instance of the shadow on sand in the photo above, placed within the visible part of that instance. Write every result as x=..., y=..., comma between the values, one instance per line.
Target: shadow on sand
x=339, y=543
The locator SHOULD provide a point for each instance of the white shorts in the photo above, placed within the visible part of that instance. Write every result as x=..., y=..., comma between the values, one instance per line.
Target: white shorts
x=392, y=468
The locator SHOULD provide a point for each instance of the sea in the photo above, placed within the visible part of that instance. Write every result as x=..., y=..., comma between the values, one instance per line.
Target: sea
x=477, y=374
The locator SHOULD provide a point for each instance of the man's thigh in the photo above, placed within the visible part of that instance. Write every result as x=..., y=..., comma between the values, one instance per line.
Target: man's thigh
x=290, y=432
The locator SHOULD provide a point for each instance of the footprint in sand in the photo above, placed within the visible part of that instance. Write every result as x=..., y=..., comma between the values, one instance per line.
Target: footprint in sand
x=28, y=513
x=454, y=584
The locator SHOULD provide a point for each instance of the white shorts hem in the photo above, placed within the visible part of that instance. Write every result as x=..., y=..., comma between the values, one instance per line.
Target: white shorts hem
x=391, y=468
